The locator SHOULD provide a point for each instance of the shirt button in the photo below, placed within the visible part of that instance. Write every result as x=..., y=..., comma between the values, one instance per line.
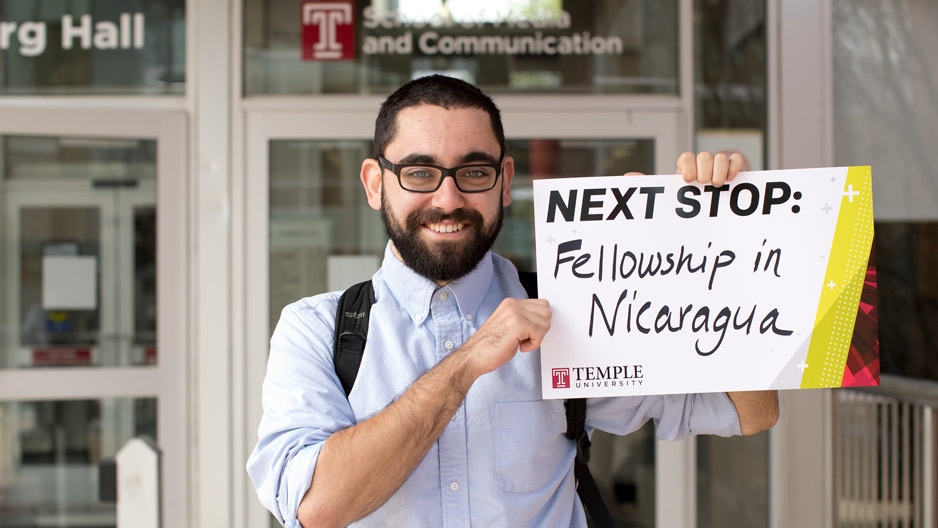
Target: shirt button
x=454, y=486
x=469, y=317
x=419, y=318
x=448, y=344
x=443, y=296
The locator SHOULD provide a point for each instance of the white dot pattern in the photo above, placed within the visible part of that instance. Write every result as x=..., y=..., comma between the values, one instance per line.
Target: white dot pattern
x=849, y=288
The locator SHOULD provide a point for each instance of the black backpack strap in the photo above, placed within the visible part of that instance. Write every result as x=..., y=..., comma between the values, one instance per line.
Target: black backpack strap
x=351, y=331
x=586, y=487
x=529, y=281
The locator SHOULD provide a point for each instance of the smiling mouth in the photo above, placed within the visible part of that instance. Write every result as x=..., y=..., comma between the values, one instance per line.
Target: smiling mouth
x=446, y=228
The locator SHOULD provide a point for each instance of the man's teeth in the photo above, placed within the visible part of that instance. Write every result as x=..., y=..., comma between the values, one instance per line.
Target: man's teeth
x=445, y=228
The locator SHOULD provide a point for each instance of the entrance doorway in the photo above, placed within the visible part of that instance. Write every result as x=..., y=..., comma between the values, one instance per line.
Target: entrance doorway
x=92, y=321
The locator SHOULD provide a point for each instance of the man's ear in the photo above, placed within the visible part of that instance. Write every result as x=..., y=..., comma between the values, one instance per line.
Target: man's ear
x=371, y=180
x=508, y=173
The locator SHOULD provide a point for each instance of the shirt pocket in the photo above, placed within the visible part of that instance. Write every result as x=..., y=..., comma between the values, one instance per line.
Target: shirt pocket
x=529, y=446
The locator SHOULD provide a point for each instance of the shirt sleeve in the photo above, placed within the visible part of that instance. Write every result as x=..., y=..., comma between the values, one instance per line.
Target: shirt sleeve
x=303, y=404
x=676, y=416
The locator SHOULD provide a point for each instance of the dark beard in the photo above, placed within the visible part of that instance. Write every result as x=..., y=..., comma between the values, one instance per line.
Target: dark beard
x=446, y=260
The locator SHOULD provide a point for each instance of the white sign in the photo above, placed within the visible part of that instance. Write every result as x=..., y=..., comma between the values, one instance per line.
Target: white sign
x=658, y=287
x=69, y=282
x=343, y=271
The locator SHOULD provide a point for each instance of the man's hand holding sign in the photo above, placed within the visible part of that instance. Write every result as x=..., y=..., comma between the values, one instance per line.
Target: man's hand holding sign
x=725, y=281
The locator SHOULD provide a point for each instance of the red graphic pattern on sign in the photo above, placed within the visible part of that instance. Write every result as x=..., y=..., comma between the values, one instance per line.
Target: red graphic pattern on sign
x=862, y=368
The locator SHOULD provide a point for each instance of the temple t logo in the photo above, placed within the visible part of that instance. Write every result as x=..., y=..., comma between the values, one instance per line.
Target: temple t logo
x=328, y=32
x=561, y=378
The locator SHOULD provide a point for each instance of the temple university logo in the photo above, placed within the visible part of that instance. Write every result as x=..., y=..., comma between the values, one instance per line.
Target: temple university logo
x=561, y=378
x=328, y=30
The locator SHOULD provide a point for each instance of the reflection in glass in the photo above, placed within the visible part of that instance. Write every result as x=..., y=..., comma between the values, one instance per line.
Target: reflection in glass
x=730, y=64
x=600, y=46
x=319, y=217
x=144, y=293
x=732, y=481
x=78, y=265
x=62, y=159
x=49, y=456
x=730, y=75
x=886, y=101
x=904, y=254
x=624, y=469
x=50, y=233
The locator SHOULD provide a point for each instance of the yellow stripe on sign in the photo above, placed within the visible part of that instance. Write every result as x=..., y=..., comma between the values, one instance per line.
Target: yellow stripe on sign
x=843, y=283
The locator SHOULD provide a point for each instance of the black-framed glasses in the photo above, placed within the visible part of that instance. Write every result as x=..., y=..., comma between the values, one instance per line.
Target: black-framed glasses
x=422, y=178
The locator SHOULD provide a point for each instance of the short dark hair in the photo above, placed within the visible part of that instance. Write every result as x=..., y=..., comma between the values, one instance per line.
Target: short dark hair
x=436, y=90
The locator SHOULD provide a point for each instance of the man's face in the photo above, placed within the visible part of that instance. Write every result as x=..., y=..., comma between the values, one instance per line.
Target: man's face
x=442, y=260
x=444, y=234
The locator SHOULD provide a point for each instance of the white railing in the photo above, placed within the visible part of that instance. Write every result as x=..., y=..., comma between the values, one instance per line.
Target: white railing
x=884, y=455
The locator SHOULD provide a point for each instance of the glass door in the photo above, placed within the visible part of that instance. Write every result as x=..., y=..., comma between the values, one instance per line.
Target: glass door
x=309, y=230
x=81, y=266
x=92, y=326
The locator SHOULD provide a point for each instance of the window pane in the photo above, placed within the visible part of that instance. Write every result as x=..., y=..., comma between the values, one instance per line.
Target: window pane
x=323, y=234
x=886, y=101
x=78, y=270
x=144, y=288
x=92, y=47
x=730, y=76
x=598, y=46
x=886, y=115
x=624, y=470
x=905, y=255
x=732, y=481
x=49, y=456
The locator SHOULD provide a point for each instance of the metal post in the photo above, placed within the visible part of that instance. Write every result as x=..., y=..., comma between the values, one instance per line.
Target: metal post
x=928, y=465
x=138, y=484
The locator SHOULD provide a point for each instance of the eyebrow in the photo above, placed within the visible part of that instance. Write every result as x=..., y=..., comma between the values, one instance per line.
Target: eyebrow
x=474, y=156
x=477, y=156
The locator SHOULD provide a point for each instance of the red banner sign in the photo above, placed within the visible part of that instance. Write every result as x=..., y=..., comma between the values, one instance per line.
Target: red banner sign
x=61, y=357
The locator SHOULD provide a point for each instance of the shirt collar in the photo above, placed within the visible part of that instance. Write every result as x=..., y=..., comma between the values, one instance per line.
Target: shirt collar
x=415, y=292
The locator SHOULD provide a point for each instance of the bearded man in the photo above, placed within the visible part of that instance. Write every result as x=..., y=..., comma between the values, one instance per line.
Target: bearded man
x=446, y=425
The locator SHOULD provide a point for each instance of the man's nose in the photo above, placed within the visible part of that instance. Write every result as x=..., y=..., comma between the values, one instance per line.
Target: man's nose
x=448, y=197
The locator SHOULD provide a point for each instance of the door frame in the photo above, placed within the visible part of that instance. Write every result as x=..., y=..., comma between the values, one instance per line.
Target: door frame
x=56, y=195
x=545, y=117
x=166, y=381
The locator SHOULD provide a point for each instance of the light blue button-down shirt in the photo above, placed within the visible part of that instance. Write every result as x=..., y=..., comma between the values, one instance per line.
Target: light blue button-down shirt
x=503, y=460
